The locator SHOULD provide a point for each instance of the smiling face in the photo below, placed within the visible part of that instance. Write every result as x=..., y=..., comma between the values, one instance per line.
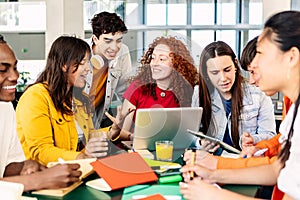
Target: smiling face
x=78, y=78
x=8, y=73
x=161, y=64
x=271, y=71
x=222, y=72
x=254, y=75
x=108, y=45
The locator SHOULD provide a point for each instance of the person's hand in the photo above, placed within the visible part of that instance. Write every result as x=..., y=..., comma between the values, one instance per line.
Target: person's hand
x=203, y=158
x=31, y=166
x=198, y=189
x=247, y=140
x=199, y=171
x=248, y=148
x=248, y=152
x=58, y=176
x=96, y=147
x=116, y=128
x=208, y=145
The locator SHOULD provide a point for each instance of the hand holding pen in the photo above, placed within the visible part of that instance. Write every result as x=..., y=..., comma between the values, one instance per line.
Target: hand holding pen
x=193, y=158
x=199, y=172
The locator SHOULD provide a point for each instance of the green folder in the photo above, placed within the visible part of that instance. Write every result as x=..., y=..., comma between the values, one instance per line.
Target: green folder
x=138, y=190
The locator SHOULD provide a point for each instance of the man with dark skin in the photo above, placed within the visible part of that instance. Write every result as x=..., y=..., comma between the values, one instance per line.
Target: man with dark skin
x=13, y=166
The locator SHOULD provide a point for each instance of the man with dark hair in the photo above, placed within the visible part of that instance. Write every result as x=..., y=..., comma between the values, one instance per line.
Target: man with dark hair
x=13, y=167
x=247, y=58
x=111, y=65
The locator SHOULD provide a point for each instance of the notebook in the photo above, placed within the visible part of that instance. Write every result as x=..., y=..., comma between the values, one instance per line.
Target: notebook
x=123, y=170
x=153, y=124
x=85, y=167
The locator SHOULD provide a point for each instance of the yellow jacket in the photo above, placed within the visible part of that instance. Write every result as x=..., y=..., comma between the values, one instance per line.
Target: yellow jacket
x=83, y=119
x=44, y=134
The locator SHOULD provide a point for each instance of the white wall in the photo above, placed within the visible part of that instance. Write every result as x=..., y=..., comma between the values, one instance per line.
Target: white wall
x=271, y=7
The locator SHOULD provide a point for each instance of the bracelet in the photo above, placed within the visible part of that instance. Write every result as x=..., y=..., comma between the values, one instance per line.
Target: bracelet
x=113, y=140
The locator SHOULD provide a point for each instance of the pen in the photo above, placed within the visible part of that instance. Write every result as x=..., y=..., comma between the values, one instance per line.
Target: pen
x=193, y=156
x=61, y=161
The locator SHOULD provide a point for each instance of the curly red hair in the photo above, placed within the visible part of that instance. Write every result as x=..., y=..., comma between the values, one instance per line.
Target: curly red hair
x=184, y=76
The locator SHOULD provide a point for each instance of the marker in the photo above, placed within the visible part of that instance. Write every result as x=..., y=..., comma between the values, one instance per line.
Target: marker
x=170, y=179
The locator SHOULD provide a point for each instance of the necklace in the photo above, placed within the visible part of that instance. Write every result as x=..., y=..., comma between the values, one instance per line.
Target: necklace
x=163, y=93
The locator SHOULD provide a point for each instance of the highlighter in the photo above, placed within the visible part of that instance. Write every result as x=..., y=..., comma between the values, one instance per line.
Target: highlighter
x=170, y=179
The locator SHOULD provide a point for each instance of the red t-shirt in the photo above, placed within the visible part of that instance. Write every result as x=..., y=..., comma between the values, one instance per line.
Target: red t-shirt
x=135, y=96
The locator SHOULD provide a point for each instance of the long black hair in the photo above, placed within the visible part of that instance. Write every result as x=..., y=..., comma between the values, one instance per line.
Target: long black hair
x=283, y=29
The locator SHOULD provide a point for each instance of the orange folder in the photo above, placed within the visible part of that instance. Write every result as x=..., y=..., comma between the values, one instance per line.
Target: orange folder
x=124, y=170
x=154, y=197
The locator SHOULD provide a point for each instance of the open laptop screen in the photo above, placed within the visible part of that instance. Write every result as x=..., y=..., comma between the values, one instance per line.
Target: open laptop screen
x=153, y=124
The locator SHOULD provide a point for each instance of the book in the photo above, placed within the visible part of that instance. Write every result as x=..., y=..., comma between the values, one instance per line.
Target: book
x=85, y=167
x=217, y=141
x=123, y=170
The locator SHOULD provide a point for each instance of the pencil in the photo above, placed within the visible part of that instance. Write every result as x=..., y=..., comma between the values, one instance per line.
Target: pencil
x=193, y=157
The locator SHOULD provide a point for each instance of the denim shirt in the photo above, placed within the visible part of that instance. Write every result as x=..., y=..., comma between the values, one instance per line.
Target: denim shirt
x=116, y=83
x=257, y=115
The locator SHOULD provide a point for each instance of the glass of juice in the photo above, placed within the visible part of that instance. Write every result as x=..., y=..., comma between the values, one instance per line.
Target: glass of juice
x=164, y=150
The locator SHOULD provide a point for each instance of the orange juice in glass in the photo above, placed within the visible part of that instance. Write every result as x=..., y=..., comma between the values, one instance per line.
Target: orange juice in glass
x=164, y=150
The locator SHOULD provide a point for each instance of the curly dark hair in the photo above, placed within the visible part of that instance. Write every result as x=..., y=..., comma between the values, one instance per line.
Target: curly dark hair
x=105, y=22
x=184, y=75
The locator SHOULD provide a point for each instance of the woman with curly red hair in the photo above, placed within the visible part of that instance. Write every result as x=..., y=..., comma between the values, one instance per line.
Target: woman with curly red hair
x=165, y=79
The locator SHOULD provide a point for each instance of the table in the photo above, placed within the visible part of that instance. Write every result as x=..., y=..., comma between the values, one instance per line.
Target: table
x=85, y=192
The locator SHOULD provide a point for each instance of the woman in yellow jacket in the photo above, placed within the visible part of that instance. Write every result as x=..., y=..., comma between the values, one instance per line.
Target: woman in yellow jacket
x=45, y=112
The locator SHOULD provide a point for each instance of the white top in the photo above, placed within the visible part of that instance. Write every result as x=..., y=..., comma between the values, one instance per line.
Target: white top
x=10, y=147
x=9, y=190
x=119, y=72
x=289, y=177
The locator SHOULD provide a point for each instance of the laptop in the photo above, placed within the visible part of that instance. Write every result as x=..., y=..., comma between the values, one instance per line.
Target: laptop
x=154, y=124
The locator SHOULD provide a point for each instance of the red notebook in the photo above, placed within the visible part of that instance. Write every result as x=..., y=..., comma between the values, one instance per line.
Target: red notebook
x=124, y=170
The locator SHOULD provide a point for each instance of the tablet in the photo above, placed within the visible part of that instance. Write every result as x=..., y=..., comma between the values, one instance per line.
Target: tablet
x=217, y=141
